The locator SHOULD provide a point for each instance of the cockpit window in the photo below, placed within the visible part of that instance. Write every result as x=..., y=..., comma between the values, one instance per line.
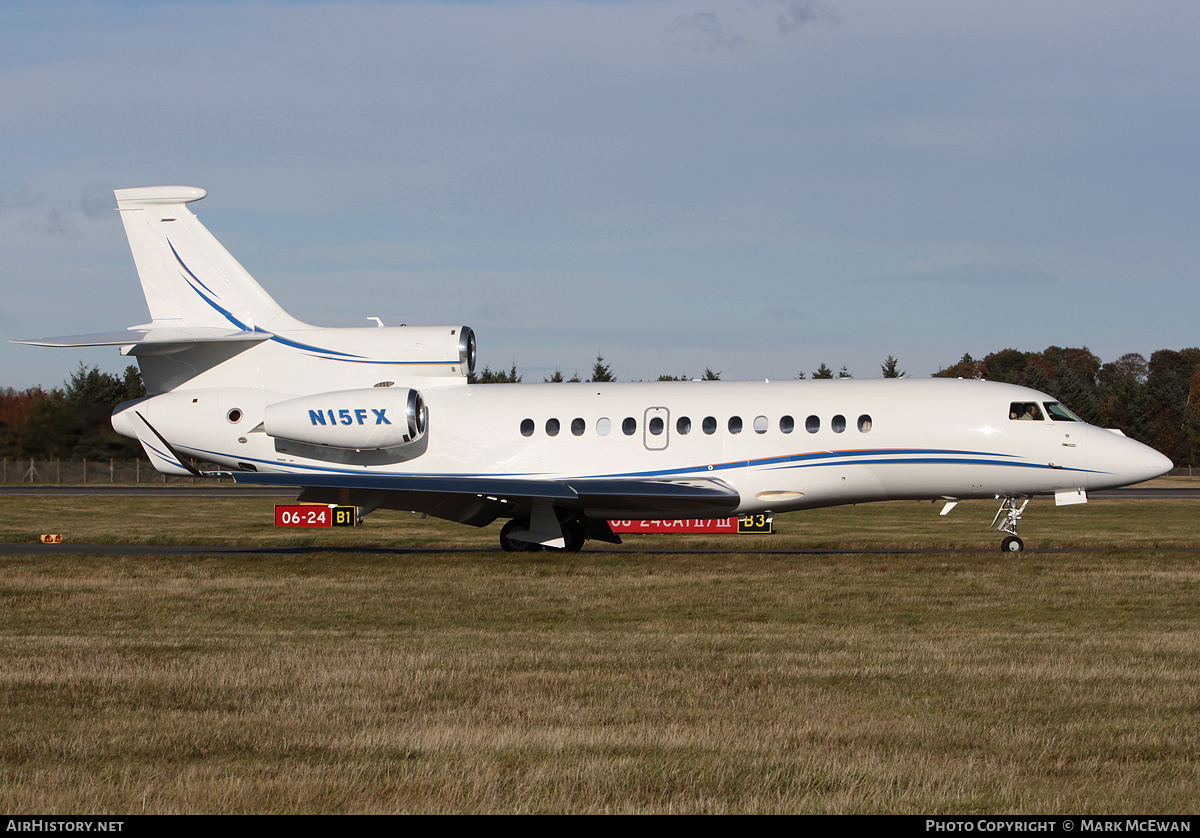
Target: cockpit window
x=1059, y=413
x=1025, y=410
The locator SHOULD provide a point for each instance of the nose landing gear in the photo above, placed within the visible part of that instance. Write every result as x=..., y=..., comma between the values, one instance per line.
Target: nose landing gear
x=1006, y=521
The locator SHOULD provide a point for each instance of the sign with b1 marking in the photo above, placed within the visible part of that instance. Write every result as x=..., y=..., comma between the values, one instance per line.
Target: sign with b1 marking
x=315, y=515
x=711, y=526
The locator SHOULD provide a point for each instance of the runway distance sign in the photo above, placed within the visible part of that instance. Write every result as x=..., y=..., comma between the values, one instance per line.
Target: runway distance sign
x=712, y=526
x=314, y=515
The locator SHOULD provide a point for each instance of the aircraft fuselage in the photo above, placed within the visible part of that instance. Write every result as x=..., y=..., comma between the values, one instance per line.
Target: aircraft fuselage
x=782, y=445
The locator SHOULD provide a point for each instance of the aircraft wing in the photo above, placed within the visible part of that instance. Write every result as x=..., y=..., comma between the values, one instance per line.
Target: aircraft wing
x=481, y=500
x=155, y=336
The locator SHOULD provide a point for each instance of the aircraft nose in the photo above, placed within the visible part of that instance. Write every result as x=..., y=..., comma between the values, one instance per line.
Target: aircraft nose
x=1116, y=460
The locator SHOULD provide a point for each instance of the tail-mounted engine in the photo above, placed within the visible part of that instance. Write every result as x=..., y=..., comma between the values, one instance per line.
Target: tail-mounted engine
x=373, y=419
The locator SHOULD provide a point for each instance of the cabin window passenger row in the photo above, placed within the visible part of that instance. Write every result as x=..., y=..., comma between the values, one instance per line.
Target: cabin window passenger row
x=761, y=424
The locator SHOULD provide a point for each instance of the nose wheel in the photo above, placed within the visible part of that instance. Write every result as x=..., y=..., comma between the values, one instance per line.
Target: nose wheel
x=1006, y=521
x=1012, y=544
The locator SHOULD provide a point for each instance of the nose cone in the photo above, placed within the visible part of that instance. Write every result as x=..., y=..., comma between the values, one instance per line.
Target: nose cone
x=1116, y=460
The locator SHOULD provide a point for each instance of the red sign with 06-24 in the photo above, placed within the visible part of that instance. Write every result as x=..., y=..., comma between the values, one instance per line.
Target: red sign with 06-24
x=312, y=515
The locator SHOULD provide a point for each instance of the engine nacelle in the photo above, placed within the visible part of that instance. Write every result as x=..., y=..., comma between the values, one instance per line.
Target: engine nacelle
x=375, y=418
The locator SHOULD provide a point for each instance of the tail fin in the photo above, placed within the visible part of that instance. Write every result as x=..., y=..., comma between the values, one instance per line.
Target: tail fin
x=188, y=278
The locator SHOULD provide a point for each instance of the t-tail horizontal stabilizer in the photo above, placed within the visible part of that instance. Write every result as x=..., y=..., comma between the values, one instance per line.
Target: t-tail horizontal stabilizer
x=153, y=339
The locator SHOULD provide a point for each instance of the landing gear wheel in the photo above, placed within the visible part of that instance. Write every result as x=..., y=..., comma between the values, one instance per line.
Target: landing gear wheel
x=574, y=533
x=1012, y=544
x=516, y=545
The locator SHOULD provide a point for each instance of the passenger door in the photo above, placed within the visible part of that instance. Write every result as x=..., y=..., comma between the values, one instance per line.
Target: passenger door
x=656, y=428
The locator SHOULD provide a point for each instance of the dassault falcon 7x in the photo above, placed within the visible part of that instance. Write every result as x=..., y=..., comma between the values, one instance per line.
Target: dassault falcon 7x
x=384, y=417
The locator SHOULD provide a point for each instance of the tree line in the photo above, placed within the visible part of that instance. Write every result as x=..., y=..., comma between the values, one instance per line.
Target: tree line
x=1155, y=401
x=69, y=422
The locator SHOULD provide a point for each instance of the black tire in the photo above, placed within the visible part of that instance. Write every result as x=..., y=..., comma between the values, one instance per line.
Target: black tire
x=1012, y=544
x=515, y=545
x=574, y=533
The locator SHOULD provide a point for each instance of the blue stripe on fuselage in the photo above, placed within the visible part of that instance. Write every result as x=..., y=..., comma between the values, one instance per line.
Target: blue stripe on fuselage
x=915, y=456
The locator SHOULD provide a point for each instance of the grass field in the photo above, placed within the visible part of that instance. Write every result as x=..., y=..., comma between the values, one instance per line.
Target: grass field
x=433, y=676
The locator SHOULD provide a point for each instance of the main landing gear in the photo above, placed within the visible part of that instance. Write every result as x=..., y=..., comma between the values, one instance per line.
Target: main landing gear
x=1006, y=521
x=516, y=537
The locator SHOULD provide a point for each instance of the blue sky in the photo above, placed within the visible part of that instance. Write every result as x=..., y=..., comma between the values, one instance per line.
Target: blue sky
x=755, y=186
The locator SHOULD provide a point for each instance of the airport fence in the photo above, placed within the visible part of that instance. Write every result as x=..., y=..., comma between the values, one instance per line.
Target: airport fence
x=91, y=471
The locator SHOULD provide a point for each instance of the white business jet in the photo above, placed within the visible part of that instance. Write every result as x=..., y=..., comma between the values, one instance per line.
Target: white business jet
x=383, y=417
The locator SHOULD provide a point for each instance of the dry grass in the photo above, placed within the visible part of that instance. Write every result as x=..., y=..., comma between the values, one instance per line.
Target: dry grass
x=897, y=525
x=617, y=681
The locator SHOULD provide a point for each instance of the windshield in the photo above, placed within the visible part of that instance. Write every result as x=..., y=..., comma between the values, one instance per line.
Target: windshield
x=1060, y=413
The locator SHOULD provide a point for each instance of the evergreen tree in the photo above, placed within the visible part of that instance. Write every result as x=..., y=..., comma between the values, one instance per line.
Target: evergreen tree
x=490, y=376
x=1071, y=390
x=1036, y=378
x=602, y=371
x=823, y=372
x=1122, y=396
x=890, y=368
